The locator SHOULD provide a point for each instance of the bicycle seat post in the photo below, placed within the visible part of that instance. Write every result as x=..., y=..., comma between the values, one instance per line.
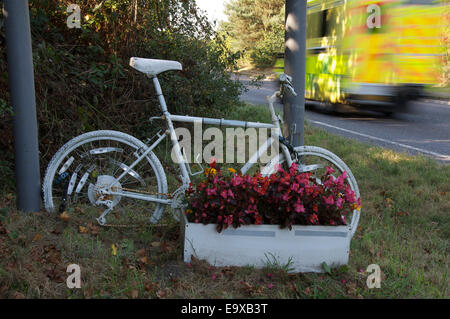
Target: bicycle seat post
x=159, y=94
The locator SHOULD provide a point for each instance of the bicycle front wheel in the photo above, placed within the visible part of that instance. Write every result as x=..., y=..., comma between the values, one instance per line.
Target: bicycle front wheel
x=83, y=165
x=316, y=159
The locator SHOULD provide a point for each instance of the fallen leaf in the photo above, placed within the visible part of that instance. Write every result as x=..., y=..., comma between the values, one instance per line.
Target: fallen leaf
x=294, y=289
x=134, y=294
x=249, y=289
x=200, y=266
x=351, y=288
x=307, y=291
x=64, y=216
x=162, y=293
x=82, y=229
x=52, y=255
x=93, y=229
x=149, y=287
x=57, y=231
x=141, y=252
x=3, y=290
x=167, y=247
x=37, y=237
x=3, y=230
x=155, y=244
x=88, y=292
x=389, y=202
x=17, y=295
x=113, y=250
x=402, y=214
x=79, y=210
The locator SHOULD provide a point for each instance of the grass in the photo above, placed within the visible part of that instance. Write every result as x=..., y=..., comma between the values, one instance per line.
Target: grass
x=404, y=228
x=278, y=67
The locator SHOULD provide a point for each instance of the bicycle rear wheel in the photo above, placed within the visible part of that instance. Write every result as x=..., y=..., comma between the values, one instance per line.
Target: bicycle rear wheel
x=80, y=168
x=316, y=159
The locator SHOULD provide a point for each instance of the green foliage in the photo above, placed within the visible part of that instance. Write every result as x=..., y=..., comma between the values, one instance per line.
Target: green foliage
x=257, y=27
x=83, y=81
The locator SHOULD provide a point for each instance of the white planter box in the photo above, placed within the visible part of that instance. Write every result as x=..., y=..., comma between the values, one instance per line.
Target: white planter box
x=305, y=247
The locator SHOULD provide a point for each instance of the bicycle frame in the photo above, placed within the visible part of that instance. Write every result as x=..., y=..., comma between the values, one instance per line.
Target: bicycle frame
x=275, y=126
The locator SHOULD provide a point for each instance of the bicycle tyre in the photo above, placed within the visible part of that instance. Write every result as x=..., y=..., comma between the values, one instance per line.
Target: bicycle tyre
x=78, y=147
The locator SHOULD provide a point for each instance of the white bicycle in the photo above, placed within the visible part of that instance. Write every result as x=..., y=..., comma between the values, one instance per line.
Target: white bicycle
x=108, y=171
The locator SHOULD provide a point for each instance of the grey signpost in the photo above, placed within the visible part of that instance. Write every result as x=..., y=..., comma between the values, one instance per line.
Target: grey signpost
x=21, y=81
x=294, y=65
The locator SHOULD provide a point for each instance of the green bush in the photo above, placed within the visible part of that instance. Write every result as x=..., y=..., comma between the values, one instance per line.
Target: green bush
x=83, y=81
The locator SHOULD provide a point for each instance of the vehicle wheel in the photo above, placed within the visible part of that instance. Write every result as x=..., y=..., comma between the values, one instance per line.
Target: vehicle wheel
x=92, y=160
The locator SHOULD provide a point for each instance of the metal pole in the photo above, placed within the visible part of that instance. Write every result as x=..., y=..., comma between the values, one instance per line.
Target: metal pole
x=294, y=65
x=21, y=83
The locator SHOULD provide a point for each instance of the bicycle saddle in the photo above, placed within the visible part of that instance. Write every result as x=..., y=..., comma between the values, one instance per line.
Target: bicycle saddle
x=153, y=66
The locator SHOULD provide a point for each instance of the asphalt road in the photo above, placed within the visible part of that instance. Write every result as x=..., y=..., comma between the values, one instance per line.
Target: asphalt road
x=425, y=129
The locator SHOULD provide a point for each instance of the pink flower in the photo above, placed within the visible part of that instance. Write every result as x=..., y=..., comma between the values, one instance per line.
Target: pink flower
x=330, y=170
x=349, y=195
x=211, y=191
x=228, y=220
x=279, y=168
x=340, y=180
x=214, y=276
x=329, y=182
x=299, y=208
x=270, y=285
x=237, y=180
x=293, y=169
x=340, y=202
x=328, y=200
x=295, y=187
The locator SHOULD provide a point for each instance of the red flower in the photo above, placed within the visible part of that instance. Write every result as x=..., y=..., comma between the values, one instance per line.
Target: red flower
x=224, y=193
x=212, y=162
x=328, y=200
x=299, y=208
x=285, y=198
x=313, y=219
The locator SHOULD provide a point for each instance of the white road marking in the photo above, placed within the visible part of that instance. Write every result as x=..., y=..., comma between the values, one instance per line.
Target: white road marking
x=445, y=157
